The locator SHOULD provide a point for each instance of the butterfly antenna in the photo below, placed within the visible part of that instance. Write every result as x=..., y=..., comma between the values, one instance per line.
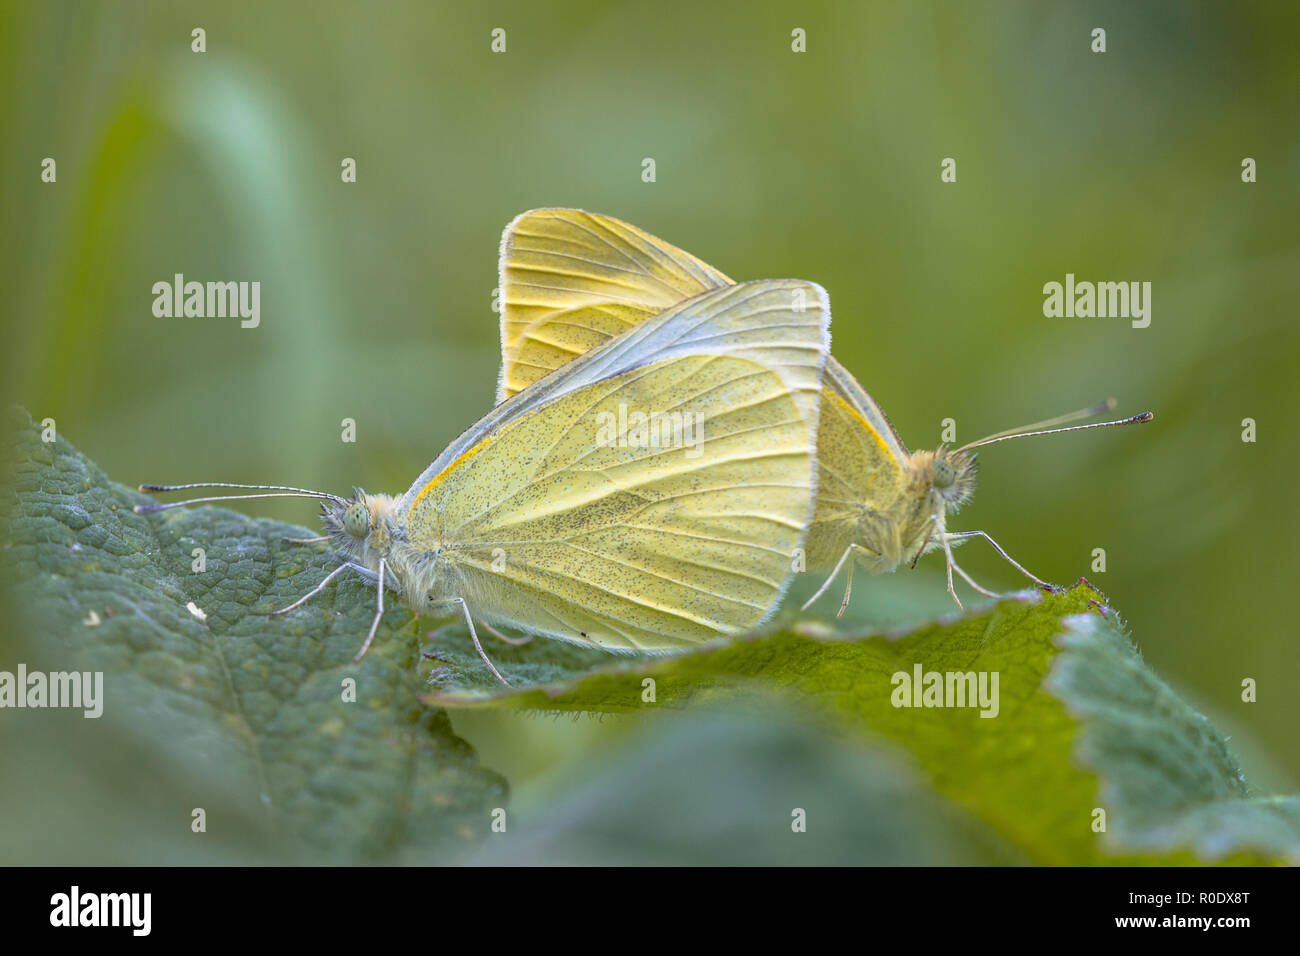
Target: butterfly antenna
x=1101, y=408
x=1043, y=428
x=272, y=491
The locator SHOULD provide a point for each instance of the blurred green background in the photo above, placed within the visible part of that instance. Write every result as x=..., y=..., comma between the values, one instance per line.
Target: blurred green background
x=376, y=296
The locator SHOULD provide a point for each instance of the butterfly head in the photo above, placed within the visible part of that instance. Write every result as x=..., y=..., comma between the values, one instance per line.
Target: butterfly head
x=360, y=525
x=949, y=474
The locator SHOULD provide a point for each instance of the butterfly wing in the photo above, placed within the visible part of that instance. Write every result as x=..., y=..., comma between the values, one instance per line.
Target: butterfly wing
x=549, y=522
x=571, y=280
x=861, y=462
x=766, y=321
x=841, y=382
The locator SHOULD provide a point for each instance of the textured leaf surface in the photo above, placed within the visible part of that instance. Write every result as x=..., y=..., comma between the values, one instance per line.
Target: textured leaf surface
x=1082, y=725
x=240, y=714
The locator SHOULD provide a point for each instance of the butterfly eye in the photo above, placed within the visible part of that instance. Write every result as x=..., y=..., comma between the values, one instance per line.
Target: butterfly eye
x=356, y=520
x=944, y=474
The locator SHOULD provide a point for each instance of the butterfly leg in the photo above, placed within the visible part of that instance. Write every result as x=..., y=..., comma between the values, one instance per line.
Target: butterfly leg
x=827, y=583
x=848, y=590
x=316, y=590
x=513, y=641
x=951, y=589
x=947, y=552
x=379, y=613
x=323, y=537
x=971, y=581
x=954, y=566
x=998, y=548
x=469, y=621
x=839, y=566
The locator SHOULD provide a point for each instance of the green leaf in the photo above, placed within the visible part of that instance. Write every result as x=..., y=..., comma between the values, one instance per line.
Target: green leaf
x=221, y=707
x=1082, y=725
x=242, y=715
x=716, y=788
x=1165, y=765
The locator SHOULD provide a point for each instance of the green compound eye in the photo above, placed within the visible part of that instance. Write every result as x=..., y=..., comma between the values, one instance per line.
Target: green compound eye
x=356, y=520
x=944, y=473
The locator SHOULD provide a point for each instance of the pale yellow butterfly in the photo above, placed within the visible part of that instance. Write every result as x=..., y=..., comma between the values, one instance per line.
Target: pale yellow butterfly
x=555, y=515
x=571, y=280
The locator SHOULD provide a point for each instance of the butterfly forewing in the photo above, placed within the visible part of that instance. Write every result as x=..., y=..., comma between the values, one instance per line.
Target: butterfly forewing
x=640, y=547
x=771, y=321
x=639, y=540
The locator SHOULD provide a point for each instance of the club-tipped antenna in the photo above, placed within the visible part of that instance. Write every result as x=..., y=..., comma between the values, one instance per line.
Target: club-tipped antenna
x=272, y=491
x=1101, y=408
x=1045, y=427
